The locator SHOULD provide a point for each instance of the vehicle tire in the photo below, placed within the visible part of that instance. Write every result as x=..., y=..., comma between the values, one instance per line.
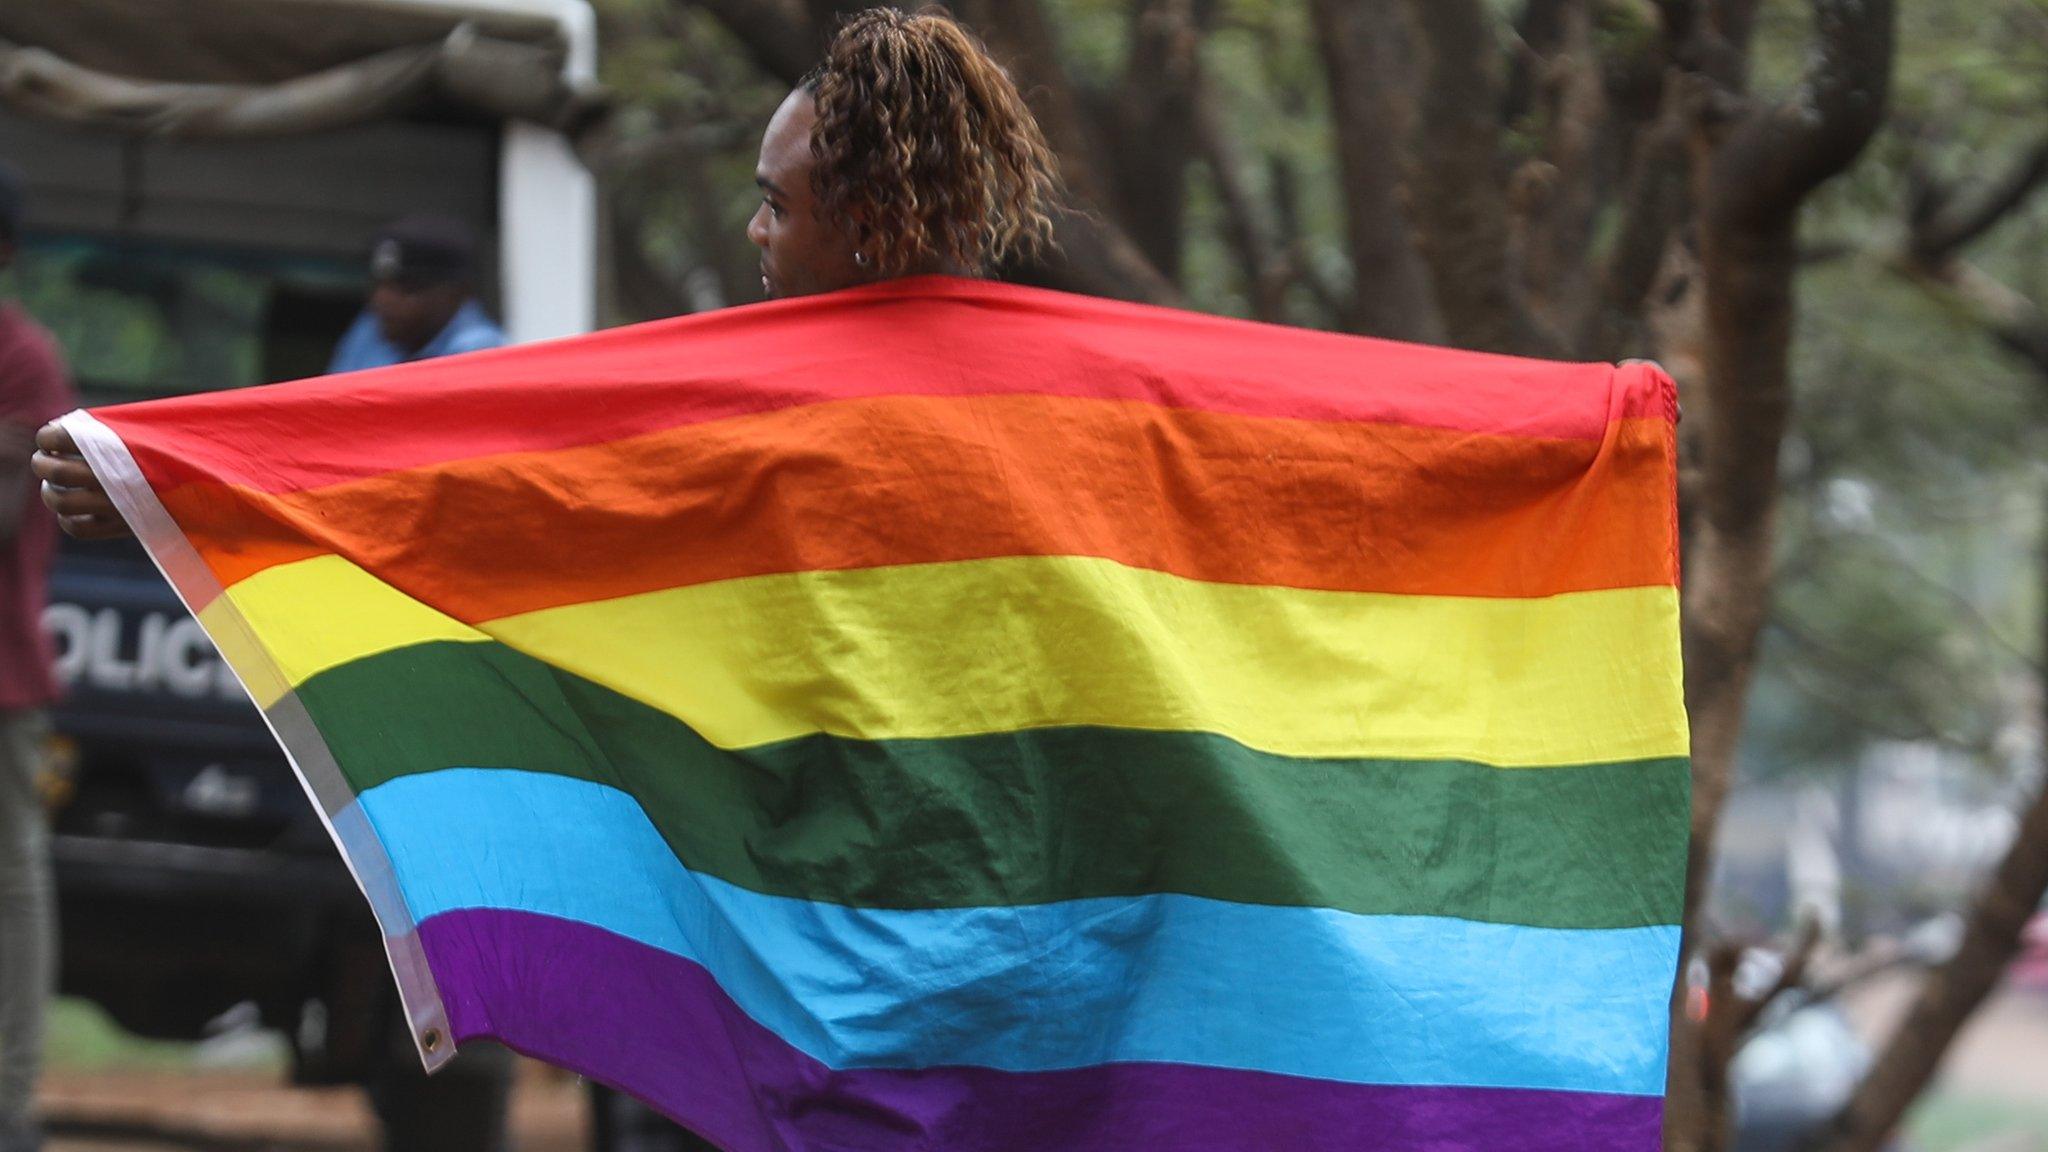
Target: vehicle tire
x=461, y=1108
x=619, y=1123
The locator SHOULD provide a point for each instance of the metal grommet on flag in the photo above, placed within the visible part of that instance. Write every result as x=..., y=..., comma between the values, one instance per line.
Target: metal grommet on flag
x=430, y=1040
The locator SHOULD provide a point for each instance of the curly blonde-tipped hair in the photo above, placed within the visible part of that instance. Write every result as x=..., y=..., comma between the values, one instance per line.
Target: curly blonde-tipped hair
x=924, y=149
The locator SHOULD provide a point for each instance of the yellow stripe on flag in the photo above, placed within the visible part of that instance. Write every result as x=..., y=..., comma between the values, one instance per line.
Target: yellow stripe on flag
x=955, y=649
x=317, y=614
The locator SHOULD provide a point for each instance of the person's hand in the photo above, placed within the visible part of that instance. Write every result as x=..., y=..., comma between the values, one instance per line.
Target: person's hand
x=72, y=491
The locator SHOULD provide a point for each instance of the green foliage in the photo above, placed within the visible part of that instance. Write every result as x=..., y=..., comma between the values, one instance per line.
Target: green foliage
x=84, y=1039
x=1094, y=39
x=1623, y=29
x=1948, y=1121
x=149, y=322
x=1911, y=562
x=1909, y=581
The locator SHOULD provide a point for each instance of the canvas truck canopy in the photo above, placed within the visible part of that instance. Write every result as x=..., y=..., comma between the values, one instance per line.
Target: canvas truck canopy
x=194, y=161
x=267, y=67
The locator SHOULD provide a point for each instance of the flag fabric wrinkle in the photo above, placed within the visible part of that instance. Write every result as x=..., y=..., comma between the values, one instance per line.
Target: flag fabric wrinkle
x=955, y=716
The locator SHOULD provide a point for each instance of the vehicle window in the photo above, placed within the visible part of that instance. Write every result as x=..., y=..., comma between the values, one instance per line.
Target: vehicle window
x=140, y=320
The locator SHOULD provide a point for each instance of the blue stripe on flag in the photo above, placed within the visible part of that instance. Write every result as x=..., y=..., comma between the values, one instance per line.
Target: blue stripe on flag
x=1175, y=979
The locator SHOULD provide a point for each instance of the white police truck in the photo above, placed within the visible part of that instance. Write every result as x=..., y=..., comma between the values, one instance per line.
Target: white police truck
x=203, y=181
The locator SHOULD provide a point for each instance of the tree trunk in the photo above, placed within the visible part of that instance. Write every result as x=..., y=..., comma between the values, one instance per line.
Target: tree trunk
x=779, y=34
x=1362, y=43
x=643, y=291
x=1253, y=231
x=1955, y=990
x=1460, y=204
x=787, y=36
x=1752, y=174
x=1539, y=28
x=1562, y=193
x=1154, y=114
x=1653, y=204
x=1096, y=255
x=1991, y=934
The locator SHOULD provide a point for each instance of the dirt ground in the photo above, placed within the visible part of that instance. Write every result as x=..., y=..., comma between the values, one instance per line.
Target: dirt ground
x=2003, y=1056
x=242, y=1111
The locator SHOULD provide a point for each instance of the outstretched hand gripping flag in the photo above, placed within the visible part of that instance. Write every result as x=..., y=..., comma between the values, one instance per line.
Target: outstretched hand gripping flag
x=946, y=715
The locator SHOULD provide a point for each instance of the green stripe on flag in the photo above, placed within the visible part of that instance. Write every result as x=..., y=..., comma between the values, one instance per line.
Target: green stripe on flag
x=1042, y=815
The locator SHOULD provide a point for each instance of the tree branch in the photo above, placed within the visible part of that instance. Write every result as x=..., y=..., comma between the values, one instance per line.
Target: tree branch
x=1798, y=958
x=1773, y=159
x=1539, y=30
x=1904, y=719
x=1096, y=255
x=1556, y=198
x=1953, y=991
x=1363, y=45
x=1154, y=114
x=1752, y=173
x=1651, y=209
x=2009, y=316
x=645, y=291
x=1460, y=208
x=1731, y=1016
x=1251, y=227
x=1941, y=234
x=1937, y=231
x=780, y=35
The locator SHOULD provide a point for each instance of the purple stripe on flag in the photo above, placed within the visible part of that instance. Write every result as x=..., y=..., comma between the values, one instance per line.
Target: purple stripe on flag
x=657, y=1026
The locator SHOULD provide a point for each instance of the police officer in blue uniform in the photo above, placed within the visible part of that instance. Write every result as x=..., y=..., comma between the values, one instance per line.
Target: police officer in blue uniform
x=423, y=303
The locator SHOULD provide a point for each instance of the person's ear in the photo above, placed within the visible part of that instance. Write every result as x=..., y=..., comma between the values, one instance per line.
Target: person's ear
x=863, y=237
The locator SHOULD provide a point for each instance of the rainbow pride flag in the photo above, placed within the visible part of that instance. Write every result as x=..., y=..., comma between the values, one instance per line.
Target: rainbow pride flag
x=954, y=716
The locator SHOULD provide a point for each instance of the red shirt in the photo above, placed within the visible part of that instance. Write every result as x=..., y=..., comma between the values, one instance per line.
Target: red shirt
x=33, y=390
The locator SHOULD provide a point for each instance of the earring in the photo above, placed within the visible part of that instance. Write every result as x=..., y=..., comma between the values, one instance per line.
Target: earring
x=860, y=258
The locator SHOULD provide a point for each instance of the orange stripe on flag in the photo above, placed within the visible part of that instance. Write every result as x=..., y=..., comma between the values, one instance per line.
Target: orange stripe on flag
x=910, y=480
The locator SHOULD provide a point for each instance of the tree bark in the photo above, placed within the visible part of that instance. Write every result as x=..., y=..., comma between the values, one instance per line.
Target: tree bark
x=1652, y=206
x=1362, y=43
x=780, y=35
x=1954, y=991
x=1557, y=198
x=1096, y=255
x=1155, y=125
x=1253, y=231
x=1539, y=29
x=1936, y=239
x=786, y=38
x=1460, y=206
x=1753, y=179
x=644, y=292
x=1752, y=175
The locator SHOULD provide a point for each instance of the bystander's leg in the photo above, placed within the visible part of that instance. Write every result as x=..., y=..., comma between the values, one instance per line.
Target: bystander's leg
x=28, y=936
